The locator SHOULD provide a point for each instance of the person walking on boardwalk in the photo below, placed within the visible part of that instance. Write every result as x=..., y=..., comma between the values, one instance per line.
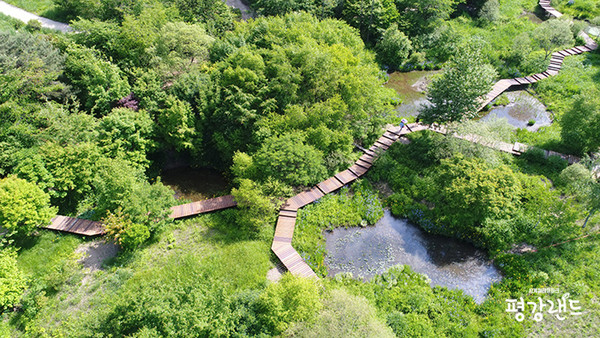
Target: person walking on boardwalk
x=404, y=123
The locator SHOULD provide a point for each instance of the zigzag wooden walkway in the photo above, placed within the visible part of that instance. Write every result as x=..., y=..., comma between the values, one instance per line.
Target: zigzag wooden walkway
x=286, y=222
x=556, y=62
x=90, y=228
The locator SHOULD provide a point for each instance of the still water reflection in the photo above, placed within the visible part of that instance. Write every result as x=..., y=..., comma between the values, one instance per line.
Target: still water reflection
x=368, y=251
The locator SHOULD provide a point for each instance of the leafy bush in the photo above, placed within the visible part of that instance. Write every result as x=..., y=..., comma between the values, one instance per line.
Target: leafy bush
x=23, y=207
x=393, y=48
x=343, y=315
x=292, y=299
x=127, y=234
x=12, y=280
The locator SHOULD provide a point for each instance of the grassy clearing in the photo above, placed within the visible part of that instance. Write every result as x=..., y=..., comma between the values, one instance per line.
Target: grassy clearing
x=188, y=265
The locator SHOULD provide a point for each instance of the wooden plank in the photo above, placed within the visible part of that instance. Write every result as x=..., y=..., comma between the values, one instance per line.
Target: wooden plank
x=367, y=158
x=288, y=213
x=346, y=176
x=381, y=145
x=358, y=170
x=199, y=207
x=329, y=185
x=386, y=141
x=363, y=163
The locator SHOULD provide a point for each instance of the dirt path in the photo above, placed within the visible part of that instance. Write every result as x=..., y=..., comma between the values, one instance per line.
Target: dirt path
x=19, y=14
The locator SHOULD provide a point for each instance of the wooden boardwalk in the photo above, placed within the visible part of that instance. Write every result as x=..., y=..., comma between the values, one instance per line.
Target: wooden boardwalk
x=511, y=148
x=556, y=62
x=76, y=226
x=200, y=207
x=86, y=227
x=286, y=222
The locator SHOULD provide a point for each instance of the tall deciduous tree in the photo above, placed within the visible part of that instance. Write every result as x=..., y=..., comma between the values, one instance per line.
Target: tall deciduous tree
x=393, y=48
x=23, y=206
x=455, y=95
x=552, y=34
x=580, y=124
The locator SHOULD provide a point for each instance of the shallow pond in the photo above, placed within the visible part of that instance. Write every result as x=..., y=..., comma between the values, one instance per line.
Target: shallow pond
x=522, y=108
x=195, y=184
x=368, y=251
x=411, y=89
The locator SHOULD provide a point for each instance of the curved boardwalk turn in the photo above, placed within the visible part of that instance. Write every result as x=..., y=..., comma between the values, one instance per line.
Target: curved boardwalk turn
x=286, y=222
x=555, y=62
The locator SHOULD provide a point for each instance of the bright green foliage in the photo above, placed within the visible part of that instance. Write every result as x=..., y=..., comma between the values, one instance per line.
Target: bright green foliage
x=71, y=9
x=370, y=17
x=214, y=14
x=289, y=159
x=98, y=82
x=343, y=315
x=12, y=281
x=470, y=191
x=23, y=206
x=292, y=299
x=282, y=7
x=553, y=34
x=127, y=234
x=198, y=289
x=257, y=212
x=581, y=123
x=280, y=74
x=176, y=124
x=582, y=9
x=490, y=11
x=119, y=185
x=455, y=94
x=29, y=67
x=182, y=44
x=65, y=173
x=420, y=17
x=575, y=178
x=125, y=133
x=393, y=48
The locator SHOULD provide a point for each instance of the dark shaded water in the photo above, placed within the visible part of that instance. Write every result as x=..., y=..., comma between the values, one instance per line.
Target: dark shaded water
x=195, y=184
x=522, y=108
x=368, y=251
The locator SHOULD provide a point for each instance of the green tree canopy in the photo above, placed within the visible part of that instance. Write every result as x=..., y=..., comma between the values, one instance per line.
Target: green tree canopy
x=580, y=124
x=470, y=191
x=280, y=74
x=292, y=299
x=286, y=158
x=456, y=94
x=393, y=48
x=553, y=34
x=127, y=133
x=98, y=82
x=23, y=206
